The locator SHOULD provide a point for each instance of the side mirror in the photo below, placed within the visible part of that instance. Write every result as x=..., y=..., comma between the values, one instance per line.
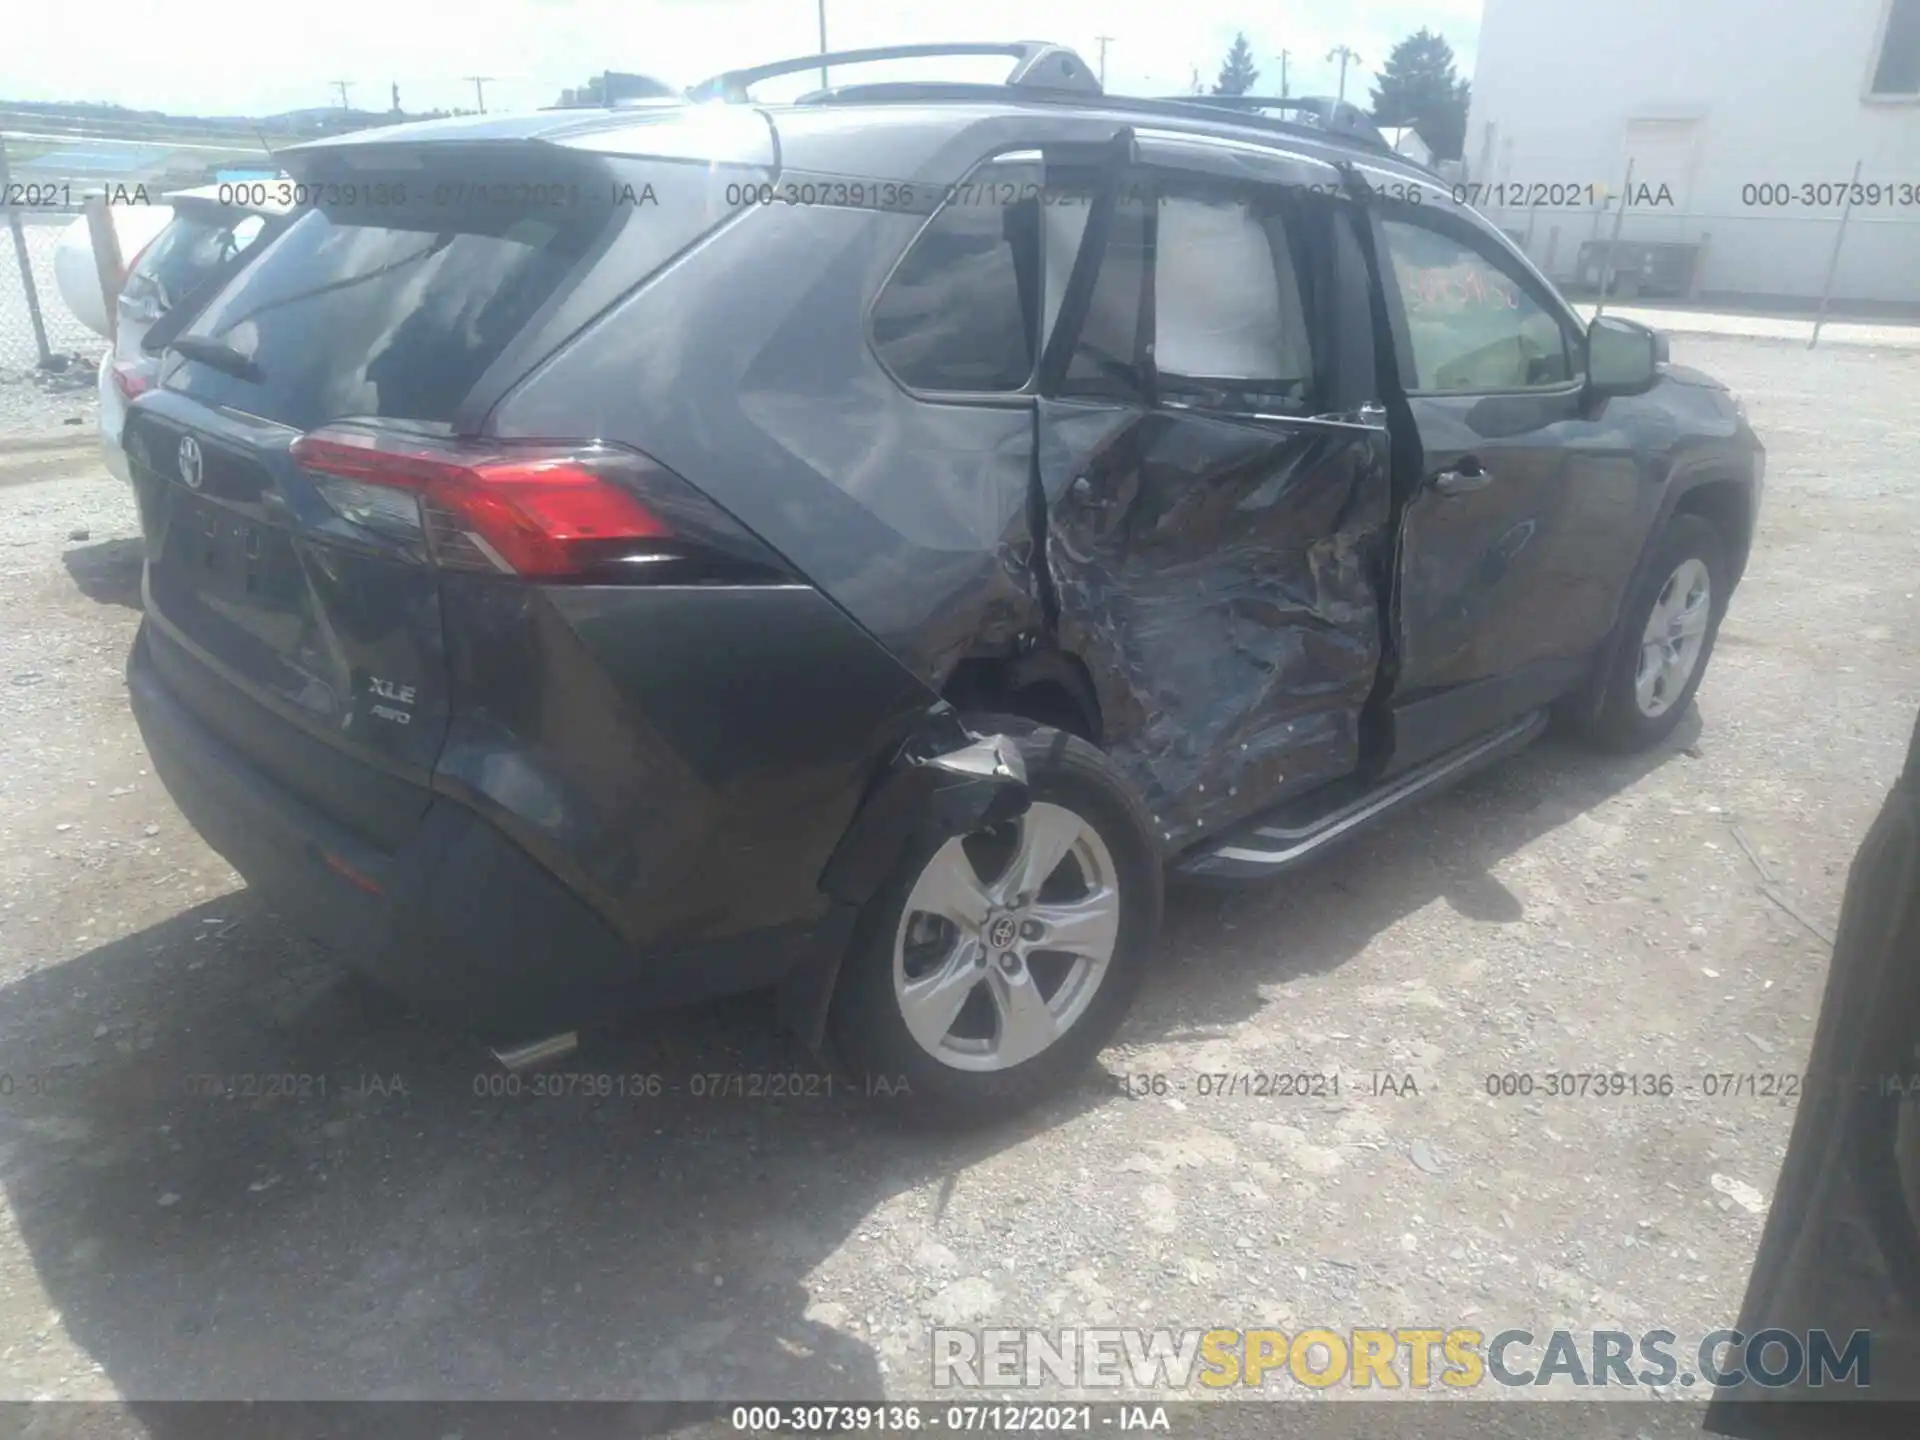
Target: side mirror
x=1623, y=358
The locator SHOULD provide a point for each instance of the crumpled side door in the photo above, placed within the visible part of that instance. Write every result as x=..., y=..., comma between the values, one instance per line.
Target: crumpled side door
x=1214, y=548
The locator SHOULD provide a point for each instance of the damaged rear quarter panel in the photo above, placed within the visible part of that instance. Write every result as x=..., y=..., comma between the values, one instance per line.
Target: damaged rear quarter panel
x=756, y=384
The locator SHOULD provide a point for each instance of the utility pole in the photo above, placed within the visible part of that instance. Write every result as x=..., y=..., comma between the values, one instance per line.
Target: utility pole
x=1344, y=54
x=1103, y=39
x=342, y=85
x=479, y=92
x=823, y=42
x=1283, y=57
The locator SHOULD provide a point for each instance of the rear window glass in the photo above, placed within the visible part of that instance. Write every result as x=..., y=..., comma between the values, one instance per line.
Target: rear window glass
x=397, y=321
x=186, y=254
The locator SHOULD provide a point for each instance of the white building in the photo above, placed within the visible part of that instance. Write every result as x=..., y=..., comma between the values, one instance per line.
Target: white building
x=1743, y=120
x=1406, y=141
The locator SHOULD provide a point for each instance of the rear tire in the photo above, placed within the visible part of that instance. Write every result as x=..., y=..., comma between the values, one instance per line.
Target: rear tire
x=1666, y=635
x=951, y=1008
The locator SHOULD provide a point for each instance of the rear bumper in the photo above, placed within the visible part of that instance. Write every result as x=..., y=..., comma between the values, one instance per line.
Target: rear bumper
x=460, y=921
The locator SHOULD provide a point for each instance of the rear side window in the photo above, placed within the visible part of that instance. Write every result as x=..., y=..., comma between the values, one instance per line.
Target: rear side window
x=964, y=310
x=959, y=310
x=951, y=316
x=348, y=316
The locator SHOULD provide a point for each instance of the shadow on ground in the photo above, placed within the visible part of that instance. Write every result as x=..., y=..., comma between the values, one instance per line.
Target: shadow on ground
x=107, y=572
x=390, y=1227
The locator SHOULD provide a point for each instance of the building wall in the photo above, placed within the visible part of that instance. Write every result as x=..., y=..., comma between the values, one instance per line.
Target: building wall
x=1706, y=97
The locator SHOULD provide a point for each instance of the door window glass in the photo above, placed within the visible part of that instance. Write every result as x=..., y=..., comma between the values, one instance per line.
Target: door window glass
x=1228, y=320
x=1471, y=326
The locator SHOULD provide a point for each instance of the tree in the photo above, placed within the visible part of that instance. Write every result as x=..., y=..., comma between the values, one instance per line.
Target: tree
x=1418, y=87
x=1237, y=72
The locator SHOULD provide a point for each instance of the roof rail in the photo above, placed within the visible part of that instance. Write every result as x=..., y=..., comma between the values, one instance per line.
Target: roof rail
x=1320, y=111
x=1176, y=106
x=1038, y=65
x=1191, y=107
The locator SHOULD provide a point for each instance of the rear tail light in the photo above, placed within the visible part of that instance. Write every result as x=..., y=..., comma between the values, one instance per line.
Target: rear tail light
x=131, y=379
x=589, y=511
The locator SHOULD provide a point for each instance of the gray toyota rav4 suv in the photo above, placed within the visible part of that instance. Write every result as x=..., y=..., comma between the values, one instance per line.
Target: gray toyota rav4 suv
x=859, y=546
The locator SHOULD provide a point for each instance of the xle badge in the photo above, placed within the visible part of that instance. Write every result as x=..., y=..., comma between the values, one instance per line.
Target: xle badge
x=399, y=694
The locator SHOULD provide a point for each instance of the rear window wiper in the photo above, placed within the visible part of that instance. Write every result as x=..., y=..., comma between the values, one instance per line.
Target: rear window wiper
x=219, y=354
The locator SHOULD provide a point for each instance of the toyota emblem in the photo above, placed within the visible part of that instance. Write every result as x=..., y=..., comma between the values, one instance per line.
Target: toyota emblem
x=190, y=470
x=1002, y=933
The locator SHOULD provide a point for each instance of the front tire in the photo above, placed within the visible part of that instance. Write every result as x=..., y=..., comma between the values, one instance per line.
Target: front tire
x=1667, y=632
x=990, y=969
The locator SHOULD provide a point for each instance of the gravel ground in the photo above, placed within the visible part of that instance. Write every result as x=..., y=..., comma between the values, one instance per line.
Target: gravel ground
x=43, y=404
x=402, y=1235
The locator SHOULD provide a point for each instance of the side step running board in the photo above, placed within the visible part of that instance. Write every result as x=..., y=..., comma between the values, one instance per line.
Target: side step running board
x=1261, y=849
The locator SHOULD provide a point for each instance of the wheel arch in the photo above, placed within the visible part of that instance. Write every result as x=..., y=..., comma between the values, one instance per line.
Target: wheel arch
x=1049, y=687
x=1723, y=500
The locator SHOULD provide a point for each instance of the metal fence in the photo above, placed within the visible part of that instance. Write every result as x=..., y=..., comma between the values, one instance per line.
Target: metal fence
x=50, y=166
x=36, y=327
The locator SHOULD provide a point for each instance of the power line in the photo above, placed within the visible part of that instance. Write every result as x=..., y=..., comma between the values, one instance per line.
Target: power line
x=479, y=90
x=1344, y=54
x=342, y=86
x=1283, y=57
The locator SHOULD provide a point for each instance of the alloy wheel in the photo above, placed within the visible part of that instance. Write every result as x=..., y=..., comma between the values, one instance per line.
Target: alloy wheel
x=1005, y=938
x=1675, y=634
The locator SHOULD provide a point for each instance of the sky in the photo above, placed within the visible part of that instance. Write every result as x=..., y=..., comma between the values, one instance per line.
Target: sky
x=240, y=57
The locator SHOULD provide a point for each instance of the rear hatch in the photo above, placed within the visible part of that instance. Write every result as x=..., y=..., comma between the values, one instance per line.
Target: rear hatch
x=301, y=468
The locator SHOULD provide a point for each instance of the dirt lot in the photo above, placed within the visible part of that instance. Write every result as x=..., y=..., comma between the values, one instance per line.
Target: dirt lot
x=402, y=1234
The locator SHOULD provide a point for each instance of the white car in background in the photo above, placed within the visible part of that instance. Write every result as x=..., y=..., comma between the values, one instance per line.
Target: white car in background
x=171, y=251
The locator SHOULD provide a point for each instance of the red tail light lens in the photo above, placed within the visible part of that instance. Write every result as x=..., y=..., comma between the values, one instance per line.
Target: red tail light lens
x=131, y=379
x=544, y=512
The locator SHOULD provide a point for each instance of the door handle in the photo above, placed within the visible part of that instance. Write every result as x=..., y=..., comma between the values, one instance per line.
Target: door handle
x=1468, y=475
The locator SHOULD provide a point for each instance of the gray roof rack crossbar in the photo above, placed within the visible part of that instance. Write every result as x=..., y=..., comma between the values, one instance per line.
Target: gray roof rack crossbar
x=1338, y=117
x=1037, y=65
